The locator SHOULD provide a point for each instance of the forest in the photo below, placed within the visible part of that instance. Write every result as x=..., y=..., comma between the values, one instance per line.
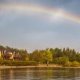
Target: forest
x=20, y=57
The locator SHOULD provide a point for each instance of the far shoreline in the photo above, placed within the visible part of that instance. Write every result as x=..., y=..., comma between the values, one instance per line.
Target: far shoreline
x=41, y=66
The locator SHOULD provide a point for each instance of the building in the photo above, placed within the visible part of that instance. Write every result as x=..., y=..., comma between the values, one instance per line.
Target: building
x=0, y=54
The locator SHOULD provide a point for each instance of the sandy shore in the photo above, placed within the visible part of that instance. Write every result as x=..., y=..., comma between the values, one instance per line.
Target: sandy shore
x=39, y=66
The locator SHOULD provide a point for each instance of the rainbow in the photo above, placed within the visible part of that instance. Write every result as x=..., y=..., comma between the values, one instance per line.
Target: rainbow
x=42, y=10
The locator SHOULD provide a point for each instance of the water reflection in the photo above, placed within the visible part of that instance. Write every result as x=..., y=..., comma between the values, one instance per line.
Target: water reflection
x=40, y=74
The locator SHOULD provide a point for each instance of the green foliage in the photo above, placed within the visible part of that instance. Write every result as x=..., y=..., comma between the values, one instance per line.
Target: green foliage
x=14, y=56
x=36, y=56
x=18, y=63
x=78, y=57
x=61, y=60
x=57, y=53
x=42, y=56
x=47, y=56
x=75, y=64
x=67, y=64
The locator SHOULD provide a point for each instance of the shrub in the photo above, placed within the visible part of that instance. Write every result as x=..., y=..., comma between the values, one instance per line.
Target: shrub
x=75, y=64
x=67, y=64
x=18, y=63
x=61, y=60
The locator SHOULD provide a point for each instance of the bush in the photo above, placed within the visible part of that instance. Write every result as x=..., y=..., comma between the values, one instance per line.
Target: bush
x=18, y=63
x=67, y=64
x=61, y=60
x=75, y=64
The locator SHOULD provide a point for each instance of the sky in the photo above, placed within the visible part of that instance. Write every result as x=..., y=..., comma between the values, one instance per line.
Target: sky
x=40, y=24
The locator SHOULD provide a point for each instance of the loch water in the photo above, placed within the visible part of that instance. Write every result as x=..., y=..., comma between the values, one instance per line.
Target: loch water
x=40, y=74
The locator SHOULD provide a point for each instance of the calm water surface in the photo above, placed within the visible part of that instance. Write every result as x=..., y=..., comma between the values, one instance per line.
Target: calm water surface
x=40, y=74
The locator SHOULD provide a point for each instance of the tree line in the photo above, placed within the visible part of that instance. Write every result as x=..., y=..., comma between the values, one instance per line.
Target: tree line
x=65, y=56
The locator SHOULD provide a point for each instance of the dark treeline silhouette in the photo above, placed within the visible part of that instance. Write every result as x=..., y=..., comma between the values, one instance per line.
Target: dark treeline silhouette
x=14, y=56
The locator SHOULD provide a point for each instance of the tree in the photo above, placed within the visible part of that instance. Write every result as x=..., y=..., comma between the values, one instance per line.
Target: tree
x=36, y=56
x=58, y=52
x=47, y=56
x=2, y=49
x=24, y=55
x=61, y=60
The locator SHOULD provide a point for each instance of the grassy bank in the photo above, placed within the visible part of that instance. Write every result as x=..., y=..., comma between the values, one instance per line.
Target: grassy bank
x=18, y=63
x=9, y=63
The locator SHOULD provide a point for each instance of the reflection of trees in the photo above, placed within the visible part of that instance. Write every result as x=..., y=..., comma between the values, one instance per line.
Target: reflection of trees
x=18, y=73
x=5, y=74
x=66, y=73
x=0, y=75
x=39, y=74
x=9, y=74
x=55, y=73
